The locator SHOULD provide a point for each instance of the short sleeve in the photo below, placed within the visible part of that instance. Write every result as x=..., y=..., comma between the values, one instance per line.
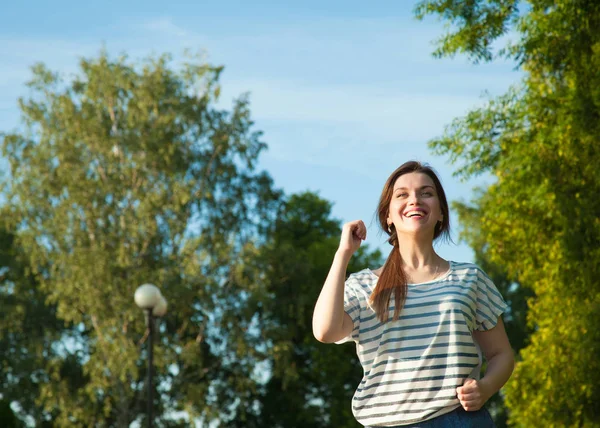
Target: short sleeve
x=352, y=308
x=490, y=304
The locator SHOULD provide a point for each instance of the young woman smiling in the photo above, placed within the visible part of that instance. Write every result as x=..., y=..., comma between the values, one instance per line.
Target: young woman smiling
x=420, y=323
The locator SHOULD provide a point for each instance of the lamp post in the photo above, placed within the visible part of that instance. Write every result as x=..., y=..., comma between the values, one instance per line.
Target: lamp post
x=151, y=301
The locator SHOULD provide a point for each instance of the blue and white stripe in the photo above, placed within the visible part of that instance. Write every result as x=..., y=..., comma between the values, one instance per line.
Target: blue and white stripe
x=413, y=365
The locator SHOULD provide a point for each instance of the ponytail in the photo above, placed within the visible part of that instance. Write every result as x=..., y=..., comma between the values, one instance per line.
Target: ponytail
x=392, y=279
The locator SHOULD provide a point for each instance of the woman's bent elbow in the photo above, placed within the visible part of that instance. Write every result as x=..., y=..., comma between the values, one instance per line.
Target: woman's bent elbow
x=320, y=334
x=323, y=337
x=329, y=335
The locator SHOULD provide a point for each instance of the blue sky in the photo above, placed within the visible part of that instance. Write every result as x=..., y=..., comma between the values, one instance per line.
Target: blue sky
x=343, y=91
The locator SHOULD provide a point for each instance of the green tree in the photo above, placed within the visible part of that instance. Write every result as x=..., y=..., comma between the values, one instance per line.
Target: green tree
x=28, y=330
x=539, y=220
x=309, y=383
x=128, y=174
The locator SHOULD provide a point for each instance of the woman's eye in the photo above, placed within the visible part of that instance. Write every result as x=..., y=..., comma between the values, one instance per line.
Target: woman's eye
x=427, y=193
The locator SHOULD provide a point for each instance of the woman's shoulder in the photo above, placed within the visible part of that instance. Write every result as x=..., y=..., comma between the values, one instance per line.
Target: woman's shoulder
x=470, y=270
x=362, y=275
x=467, y=266
x=362, y=280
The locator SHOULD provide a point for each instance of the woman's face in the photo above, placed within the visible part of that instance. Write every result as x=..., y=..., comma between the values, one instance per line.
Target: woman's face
x=415, y=206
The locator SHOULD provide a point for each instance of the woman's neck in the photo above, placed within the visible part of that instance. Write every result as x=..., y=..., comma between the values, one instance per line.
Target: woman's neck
x=417, y=255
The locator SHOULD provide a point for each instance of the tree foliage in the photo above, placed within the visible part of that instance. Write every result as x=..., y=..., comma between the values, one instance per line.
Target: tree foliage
x=29, y=331
x=128, y=174
x=539, y=221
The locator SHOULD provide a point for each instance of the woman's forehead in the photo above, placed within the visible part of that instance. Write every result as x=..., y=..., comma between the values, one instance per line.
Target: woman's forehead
x=413, y=180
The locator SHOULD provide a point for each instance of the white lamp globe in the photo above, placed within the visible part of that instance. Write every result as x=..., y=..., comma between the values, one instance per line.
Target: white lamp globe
x=161, y=307
x=147, y=296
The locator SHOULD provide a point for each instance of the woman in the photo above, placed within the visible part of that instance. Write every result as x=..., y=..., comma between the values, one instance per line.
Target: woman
x=420, y=323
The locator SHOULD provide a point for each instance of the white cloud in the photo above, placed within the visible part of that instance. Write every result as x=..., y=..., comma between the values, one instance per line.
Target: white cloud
x=165, y=26
x=289, y=100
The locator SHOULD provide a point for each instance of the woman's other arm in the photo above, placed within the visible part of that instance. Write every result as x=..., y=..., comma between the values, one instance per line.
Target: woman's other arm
x=500, y=364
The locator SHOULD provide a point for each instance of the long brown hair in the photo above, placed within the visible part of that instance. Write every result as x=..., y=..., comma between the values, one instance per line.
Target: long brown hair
x=392, y=278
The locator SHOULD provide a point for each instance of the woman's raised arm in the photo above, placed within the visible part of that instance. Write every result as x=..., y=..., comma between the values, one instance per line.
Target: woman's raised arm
x=330, y=322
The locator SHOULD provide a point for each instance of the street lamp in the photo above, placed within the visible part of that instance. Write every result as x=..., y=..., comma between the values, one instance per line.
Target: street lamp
x=149, y=299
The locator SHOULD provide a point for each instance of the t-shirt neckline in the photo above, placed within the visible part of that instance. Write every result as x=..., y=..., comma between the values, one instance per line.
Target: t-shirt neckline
x=439, y=278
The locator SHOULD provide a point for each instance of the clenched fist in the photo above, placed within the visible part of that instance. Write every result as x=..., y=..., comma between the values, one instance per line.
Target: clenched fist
x=352, y=234
x=471, y=395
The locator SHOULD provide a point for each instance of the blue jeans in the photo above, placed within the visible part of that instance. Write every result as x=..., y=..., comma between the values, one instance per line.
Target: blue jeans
x=458, y=418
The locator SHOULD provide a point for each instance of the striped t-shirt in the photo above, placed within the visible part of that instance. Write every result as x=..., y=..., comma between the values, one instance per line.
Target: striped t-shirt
x=412, y=366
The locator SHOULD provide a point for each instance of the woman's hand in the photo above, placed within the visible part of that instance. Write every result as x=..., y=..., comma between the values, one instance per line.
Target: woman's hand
x=471, y=395
x=352, y=234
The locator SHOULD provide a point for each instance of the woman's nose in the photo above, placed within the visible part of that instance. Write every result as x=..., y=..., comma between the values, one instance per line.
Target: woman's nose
x=413, y=199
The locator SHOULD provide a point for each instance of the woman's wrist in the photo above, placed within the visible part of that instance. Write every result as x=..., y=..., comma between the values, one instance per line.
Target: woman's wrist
x=487, y=389
x=498, y=372
x=343, y=255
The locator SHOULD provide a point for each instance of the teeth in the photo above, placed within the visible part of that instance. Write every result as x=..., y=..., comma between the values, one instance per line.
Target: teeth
x=415, y=214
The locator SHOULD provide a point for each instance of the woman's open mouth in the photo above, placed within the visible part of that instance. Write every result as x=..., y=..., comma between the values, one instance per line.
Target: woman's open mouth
x=415, y=214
